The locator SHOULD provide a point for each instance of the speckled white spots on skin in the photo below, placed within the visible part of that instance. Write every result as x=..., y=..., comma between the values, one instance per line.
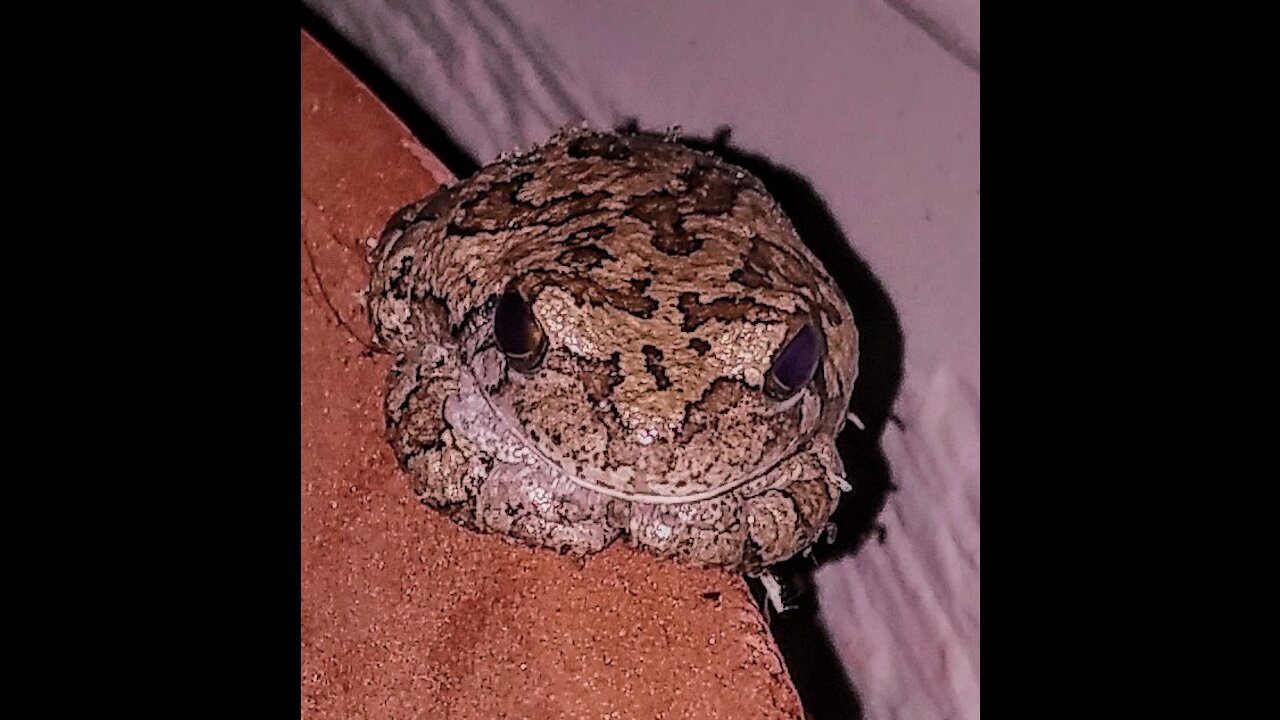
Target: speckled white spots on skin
x=567, y=325
x=541, y=499
x=745, y=350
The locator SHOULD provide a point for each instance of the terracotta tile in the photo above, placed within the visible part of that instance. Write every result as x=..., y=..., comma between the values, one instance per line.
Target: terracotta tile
x=406, y=615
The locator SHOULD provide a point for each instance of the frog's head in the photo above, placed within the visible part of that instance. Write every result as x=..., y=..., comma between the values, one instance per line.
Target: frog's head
x=666, y=376
x=640, y=314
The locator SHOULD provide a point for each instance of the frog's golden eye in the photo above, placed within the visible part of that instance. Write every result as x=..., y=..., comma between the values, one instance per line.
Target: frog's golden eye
x=795, y=365
x=517, y=332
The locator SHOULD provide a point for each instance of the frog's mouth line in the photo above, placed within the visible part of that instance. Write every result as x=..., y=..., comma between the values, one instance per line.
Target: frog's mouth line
x=516, y=430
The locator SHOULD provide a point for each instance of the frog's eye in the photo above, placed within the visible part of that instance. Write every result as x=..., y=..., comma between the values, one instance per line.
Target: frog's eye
x=795, y=364
x=517, y=332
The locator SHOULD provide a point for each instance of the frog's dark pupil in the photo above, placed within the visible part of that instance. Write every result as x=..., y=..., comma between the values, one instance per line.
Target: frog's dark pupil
x=798, y=361
x=514, y=326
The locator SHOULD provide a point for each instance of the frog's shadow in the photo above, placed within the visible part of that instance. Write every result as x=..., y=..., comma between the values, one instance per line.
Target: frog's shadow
x=880, y=360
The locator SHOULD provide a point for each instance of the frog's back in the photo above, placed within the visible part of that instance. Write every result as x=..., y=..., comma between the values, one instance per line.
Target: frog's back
x=641, y=215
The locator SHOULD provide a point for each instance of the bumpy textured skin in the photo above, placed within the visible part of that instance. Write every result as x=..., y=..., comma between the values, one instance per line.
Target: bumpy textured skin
x=666, y=281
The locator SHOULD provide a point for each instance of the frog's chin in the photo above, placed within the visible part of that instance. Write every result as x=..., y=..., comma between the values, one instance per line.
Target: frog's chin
x=606, y=481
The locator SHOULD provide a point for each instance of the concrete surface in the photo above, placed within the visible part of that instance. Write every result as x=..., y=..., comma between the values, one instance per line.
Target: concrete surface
x=405, y=615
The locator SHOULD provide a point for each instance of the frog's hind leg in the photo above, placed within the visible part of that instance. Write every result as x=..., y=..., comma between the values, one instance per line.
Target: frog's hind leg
x=526, y=502
x=757, y=525
x=707, y=532
x=475, y=477
x=789, y=513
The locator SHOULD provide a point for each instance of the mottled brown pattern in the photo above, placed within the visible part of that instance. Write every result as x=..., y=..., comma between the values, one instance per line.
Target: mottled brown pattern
x=663, y=215
x=653, y=363
x=589, y=291
x=696, y=312
x=665, y=282
x=584, y=256
x=598, y=378
x=713, y=188
x=757, y=264
x=496, y=208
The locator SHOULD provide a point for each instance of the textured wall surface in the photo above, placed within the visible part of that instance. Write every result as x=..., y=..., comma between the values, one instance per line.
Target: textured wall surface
x=405, y=615
x=876, y=104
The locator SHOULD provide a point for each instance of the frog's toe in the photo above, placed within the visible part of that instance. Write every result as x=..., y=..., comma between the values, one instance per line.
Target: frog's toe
x=789, y=516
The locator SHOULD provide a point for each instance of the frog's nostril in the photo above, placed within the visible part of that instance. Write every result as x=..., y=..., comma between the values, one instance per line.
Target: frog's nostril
x=517, y=332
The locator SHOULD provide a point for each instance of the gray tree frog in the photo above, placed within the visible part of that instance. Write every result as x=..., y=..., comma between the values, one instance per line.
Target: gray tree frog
x=614, y=336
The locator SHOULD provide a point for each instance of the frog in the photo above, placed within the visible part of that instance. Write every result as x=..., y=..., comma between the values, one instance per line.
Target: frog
x=616, y=337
